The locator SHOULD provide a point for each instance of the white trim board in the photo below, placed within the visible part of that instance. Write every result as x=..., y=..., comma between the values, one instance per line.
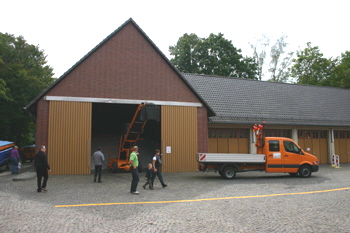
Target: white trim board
x=121, y=101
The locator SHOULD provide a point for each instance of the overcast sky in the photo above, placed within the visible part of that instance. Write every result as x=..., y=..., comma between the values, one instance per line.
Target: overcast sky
x=68, y=30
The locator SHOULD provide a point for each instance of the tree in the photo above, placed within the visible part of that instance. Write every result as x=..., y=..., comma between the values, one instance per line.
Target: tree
x=279, y=63
x=259, y=54
x=186, y=53
x=341, y=73
x=214, y=55
x=23, y=75
x=310, y=67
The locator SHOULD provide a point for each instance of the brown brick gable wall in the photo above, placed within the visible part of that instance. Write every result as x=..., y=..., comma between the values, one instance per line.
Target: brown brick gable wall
x=124, y=67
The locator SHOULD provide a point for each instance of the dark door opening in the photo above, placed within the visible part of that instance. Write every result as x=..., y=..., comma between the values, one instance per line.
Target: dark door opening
x=109, y=122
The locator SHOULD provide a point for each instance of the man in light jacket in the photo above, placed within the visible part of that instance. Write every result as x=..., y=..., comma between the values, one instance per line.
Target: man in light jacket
x=98, y=159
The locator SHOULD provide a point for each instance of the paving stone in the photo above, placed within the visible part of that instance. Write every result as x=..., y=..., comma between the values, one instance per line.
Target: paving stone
x=192, y=202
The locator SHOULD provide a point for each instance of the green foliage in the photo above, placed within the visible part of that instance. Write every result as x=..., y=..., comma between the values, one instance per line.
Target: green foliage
x=341, y=73
x=23, y=75
x=214, y=55
x=310, y=67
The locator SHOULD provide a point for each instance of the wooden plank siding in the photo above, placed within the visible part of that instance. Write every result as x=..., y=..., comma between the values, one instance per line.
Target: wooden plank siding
x=228, y=140
x=179, y=131
x=342, y=145
x=316, y=142
x=69, y=137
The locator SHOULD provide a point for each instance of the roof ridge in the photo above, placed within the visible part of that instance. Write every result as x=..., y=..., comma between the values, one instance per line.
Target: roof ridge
x=264, y=81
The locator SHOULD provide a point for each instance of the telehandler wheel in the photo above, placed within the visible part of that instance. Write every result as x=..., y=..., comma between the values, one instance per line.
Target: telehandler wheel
x=114, y=167
x=305, y=171
x=229, y=172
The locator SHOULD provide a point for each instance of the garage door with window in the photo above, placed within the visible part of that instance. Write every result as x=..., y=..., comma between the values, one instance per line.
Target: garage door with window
x=342, y=145
x=314, y=142
x=277, y=133
x=228, y=141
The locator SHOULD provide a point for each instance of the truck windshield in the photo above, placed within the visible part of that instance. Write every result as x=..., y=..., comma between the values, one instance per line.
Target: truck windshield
x=291, y=147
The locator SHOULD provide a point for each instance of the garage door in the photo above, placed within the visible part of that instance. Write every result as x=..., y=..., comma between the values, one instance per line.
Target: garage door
x=228, y=141
x=314, y=142
x=342, y=145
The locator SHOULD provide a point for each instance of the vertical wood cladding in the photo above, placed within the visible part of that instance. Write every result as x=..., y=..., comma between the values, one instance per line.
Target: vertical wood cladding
x=179, y=131
x=69, y=137
x=342, y=145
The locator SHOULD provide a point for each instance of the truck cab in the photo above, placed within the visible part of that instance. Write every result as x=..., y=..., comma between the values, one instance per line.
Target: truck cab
x=284, y=155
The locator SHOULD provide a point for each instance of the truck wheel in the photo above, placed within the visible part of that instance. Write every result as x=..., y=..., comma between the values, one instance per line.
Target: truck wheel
x=228, y=172
x=305, y=171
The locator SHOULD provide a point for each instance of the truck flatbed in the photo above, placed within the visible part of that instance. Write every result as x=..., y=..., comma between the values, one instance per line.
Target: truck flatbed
x=230, y=158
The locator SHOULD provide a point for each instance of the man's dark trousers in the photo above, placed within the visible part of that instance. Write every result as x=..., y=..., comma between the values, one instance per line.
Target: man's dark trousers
x=135, y=179
x=98, y=170
x=159, y=174
x=41, y=172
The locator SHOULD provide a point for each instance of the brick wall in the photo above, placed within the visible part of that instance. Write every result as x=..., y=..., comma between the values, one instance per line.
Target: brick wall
x=42, y=124
x=124, y=67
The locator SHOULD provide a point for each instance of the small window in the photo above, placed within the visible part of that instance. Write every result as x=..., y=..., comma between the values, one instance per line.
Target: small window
x=336, y=135
x=300, y=134
x=222, y=133
x=212, y=133
x=233, y=133
x=274, y=145
x=243, y=133
x=341, y=134
x=291, y=147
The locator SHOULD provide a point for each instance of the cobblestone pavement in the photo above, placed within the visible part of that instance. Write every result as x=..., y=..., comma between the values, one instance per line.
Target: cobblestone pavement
x=192, y=202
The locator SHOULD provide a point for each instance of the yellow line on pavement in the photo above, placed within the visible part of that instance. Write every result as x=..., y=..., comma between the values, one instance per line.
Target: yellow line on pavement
x=204, y=199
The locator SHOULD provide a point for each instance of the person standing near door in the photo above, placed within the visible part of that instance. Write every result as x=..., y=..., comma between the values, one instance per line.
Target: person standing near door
x=42, y=168
x=98, y=159
x=134, y=163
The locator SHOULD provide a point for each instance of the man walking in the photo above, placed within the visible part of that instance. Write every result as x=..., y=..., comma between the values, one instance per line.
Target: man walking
x=42, y=168
x=157, y=168
x=134, y=163
x=98, y=159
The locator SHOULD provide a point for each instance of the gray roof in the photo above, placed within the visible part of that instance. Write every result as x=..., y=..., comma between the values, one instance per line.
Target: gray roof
x=244, y=101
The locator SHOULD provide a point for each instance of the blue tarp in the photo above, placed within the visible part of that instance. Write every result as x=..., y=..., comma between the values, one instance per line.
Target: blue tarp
x=5, y=153
x=4, y=143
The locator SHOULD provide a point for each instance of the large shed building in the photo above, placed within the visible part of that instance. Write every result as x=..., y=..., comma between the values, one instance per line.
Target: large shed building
x=89, y=105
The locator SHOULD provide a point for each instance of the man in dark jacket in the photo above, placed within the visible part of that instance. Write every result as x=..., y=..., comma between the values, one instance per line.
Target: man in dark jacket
x=42, y=168
x=157, y=168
